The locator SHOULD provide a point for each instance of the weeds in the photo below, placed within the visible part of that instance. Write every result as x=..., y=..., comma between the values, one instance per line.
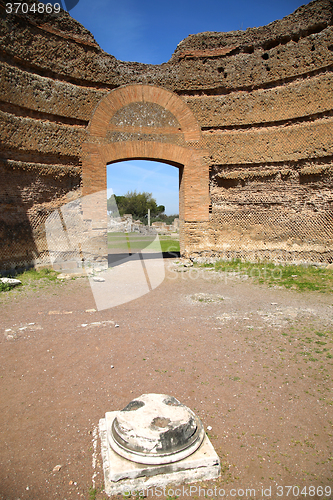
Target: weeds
x=297, y=277
x=92, y=493
x=34, y=274
x=4, y=287
x=32, y=277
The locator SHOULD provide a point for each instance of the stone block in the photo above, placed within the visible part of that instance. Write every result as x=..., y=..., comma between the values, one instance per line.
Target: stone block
x=122, y=475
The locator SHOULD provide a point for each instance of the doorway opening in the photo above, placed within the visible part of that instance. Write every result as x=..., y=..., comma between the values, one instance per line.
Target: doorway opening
x=143, y=210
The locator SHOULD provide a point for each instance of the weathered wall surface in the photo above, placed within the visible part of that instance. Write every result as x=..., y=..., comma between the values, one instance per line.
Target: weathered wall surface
x=262, y=99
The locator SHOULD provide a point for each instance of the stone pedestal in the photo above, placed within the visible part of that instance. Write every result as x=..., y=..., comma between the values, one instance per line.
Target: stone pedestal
x=154, y=442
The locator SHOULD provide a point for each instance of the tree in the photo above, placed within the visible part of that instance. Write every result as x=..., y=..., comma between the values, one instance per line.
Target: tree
x=136, y=204
x=168, y=219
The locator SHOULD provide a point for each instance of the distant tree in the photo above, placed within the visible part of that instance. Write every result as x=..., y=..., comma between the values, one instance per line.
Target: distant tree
x=136, y=204
x=168, y=219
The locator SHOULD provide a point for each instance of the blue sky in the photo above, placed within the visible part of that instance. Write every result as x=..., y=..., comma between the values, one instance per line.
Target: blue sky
x=153, y=177
x=148, y=31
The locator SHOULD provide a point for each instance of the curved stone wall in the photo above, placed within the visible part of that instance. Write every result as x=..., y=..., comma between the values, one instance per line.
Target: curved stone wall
x=262, y=100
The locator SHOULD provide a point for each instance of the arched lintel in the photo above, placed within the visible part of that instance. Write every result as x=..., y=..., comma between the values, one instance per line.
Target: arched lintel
x=194, y=172
x=156, y=151
x=127, y=94
x=162, y=160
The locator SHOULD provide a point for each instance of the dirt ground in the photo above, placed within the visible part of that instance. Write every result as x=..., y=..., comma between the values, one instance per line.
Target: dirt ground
x=254, y=363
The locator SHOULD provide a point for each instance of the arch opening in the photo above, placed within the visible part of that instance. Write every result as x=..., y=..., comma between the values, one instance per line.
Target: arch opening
x=133, y=186
x=144, y=122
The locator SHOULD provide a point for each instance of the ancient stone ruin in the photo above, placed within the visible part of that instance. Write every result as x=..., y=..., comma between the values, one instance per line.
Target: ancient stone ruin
x=245, y=116
x=153, y=442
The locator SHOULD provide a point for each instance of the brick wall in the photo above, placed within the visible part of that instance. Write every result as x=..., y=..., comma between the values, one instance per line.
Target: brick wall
x=245, y=116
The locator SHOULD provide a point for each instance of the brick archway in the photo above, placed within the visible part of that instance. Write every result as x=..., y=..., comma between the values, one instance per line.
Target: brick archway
x=146, y=122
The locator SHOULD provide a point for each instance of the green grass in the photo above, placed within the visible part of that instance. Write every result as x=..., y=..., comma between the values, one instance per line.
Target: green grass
x=134, y=242
x=311, y=344
x=92, y=493
x=169, y=245
x=297, y=277
x=4, y=287
x=37, y=274
x=32, y=277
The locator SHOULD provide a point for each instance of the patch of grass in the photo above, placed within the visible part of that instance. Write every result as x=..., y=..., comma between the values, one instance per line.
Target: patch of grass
x=132, y=242
x=31, y=278
x=170, y=246
x=92, y=493
x=4, y=287
x=297, y=277
x=310, y=346
x=36, y=275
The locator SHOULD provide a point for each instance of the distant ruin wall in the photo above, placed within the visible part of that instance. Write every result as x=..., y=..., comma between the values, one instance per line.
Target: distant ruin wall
x=262, y=100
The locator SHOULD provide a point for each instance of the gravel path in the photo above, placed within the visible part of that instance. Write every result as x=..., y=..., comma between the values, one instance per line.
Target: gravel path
x=254, y=363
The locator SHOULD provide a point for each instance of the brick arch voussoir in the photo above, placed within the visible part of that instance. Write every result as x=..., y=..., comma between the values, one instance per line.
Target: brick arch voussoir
x=123, y=96
x=175, y=155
